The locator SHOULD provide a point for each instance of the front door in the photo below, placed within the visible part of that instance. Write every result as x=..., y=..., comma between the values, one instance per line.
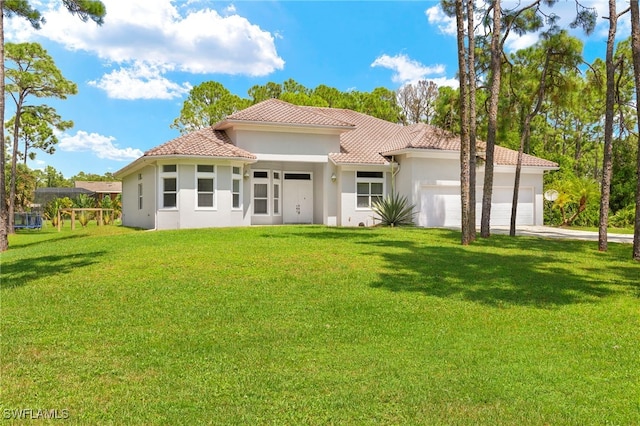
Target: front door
x=297, y=198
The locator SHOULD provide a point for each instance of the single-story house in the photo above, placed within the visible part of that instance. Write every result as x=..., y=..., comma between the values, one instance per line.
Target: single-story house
x=100, y=189
x=278, y=163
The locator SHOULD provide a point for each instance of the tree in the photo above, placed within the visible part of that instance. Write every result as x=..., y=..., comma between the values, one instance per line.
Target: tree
x=207, y=103
x=37, y=124
x=558, y=53
x=608, y=127
x=463, y=76
x=417, y=101
x=495, y=71
x=85, y=10
x=635, y=48
x=32, y=73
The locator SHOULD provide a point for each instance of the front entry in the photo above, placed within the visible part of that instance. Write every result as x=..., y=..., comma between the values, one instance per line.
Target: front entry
x=297, y=198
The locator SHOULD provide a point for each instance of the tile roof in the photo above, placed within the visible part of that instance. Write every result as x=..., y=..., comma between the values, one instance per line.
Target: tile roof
x=365, y=139
x=99, y=187
x=274, y=111
x=203, y=142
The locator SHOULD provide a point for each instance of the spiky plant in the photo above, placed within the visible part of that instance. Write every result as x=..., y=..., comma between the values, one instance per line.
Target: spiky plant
x=394, y=210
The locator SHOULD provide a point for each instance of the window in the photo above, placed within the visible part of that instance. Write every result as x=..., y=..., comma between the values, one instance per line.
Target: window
x=139, y=196
x=169, y=186
x=369, y=188
x=170, y=192
x=236, y=187
x=276, y=193
x=205, y=179
x=260, y=192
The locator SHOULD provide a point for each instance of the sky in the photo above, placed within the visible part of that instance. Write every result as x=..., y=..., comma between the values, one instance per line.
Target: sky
x=135, y=71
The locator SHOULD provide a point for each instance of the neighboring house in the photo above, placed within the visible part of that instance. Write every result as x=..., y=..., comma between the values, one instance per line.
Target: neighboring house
x=101, y=189
x=276, y=163
x=44, y=196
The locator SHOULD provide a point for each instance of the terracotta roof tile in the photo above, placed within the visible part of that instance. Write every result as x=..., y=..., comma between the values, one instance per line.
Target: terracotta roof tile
x=280, y=112
x=203, y=142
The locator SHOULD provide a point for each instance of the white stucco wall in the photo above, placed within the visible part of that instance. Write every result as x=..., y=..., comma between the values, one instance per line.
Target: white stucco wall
x=350, y=214
x=132, y=215
x=286, y=144
x=418, y=174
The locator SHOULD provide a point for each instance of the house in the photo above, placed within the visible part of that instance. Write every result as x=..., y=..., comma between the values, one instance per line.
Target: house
x=278, y=163
x=100, y=189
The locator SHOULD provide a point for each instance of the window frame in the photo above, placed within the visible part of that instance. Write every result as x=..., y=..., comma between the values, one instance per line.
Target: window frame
x=140, y=196
x=236, y=177
x=206, y=175
x=260, y=181
x=369, y=180
x=276, y=201
x=168, y=175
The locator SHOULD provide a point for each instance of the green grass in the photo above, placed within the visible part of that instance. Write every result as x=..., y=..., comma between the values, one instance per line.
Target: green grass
x=315, y=325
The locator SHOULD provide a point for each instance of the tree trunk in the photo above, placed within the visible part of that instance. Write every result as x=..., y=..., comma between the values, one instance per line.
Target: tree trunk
x=471, y=64
x=496, y=71
x=4, y=222
x=14, y=170
x=605, y=187
x=635, y=49
x=464, y=121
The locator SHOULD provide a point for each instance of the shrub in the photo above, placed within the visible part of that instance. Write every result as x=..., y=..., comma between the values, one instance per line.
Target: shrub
x=394, y=210
x=624, y=218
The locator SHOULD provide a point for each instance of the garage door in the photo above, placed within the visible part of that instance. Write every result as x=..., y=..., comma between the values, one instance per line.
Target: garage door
x=440, y=206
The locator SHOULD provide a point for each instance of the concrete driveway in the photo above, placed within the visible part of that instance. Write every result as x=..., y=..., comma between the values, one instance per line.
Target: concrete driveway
x=568, y=234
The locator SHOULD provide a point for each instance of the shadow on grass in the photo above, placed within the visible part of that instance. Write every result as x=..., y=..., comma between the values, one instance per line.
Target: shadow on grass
x=21, y=272
x=496, y=278
x=499, y=271
x=41, y=239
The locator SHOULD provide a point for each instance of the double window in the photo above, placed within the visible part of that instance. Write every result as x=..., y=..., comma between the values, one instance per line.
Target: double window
x=206, y=185
x=369, y=188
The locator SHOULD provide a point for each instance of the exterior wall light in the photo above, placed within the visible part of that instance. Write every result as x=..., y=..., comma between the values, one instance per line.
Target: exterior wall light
x=333, y=177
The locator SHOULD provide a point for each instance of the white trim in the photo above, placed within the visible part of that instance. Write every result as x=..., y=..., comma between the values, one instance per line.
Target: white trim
x=168, y=175
x=260, y=180
x=239, y=178
x=206, y=175
x=370, y=181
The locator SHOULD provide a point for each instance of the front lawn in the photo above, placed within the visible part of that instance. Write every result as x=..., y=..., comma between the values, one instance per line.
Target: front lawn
x=315, y=325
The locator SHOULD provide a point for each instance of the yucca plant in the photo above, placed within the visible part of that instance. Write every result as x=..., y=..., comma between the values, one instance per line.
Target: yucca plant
x=394, y=210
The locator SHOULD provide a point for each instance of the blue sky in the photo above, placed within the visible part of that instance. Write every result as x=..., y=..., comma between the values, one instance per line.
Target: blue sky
x=135, y=71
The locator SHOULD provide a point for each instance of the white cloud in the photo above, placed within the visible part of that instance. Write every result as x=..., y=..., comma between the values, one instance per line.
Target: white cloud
x=140, y=82
x=101, y=146
x=406, y=70
x=445, y=24
x=155, y=33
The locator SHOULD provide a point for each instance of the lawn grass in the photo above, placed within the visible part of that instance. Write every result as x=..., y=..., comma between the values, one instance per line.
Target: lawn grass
x=315, y=325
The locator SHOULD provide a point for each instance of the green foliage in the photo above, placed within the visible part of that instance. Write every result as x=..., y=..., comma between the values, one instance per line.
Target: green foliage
x=578, y=201
x=624, y=218
x=37, y=130
x=53, y=207
x=394, y=210
x=207, y=103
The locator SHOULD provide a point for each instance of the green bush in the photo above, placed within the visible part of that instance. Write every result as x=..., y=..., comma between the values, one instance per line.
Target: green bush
x=624, y=218
x=394, y=210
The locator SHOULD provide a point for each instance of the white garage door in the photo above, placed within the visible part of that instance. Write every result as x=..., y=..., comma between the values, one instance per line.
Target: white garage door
x=440, y=206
